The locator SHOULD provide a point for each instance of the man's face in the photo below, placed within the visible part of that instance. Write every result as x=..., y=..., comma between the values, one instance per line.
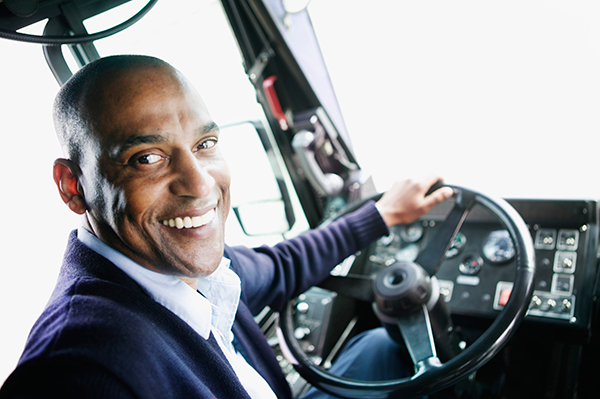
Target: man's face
x=154, y=181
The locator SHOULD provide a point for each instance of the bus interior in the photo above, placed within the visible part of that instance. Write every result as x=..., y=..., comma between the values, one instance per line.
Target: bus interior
x=323, y=104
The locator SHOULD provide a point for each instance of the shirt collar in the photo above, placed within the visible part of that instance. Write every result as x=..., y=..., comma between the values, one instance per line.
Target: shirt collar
x=216, y=307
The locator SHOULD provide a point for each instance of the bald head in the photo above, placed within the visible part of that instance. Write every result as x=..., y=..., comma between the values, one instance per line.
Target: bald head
x=103, y=84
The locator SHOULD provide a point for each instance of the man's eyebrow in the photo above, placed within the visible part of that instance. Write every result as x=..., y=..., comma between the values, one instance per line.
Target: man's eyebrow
x=136, y=139
x=209, y=127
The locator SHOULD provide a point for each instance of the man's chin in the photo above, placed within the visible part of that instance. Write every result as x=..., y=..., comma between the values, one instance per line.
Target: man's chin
x=200, y=261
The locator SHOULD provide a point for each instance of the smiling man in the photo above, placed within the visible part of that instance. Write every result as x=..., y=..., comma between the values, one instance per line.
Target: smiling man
x=152, y=171
x=150, y=303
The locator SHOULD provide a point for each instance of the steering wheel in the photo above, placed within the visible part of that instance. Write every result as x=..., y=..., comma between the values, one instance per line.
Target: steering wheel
x=398, y=300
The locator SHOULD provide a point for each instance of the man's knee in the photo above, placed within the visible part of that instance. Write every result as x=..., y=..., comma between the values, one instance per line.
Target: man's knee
x=376, y=339
x=373, y=355
x=370, y=356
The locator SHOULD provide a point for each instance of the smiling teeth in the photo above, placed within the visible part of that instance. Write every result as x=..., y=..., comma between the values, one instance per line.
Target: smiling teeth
x=191, y=221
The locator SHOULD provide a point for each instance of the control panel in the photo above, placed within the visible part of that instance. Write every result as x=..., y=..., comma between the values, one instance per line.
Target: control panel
x=556, y=251
x=477, y=275
x=543, y=303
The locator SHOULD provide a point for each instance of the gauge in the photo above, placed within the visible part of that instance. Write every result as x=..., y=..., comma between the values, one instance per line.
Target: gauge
x=408, y=254
x=498, y=247
x=412, y=232
x=387, y=240
x=457, y=245
x=471, y=265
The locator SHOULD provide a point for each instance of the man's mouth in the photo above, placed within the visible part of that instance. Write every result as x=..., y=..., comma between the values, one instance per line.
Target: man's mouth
x=189, y=222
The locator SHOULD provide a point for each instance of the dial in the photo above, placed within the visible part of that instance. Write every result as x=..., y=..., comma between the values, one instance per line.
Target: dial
x=471, y=264
x=387, y=240
x=408, y=254
x=457, y=245
x=412, y=232
x=498, y=247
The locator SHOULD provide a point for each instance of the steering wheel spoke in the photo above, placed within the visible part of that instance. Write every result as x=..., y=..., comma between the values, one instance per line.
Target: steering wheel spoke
x=417, y=334
x=353, y=286
x=435, y=252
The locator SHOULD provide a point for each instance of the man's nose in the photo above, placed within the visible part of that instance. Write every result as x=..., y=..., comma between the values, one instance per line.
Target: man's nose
x=192, y=176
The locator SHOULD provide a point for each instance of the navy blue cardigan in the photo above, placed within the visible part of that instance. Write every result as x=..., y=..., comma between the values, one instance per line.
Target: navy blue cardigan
x=102, y=336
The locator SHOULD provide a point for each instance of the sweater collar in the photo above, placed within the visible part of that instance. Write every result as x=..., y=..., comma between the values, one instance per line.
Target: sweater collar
x=216, y=307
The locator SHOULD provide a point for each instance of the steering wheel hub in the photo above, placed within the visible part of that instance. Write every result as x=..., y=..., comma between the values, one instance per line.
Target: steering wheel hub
x=401, y=288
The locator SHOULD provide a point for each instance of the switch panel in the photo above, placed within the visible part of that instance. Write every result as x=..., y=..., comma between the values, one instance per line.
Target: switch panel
x=554, y=305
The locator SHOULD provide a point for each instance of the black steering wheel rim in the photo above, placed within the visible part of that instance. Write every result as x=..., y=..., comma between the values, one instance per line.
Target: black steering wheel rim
x=431, y=374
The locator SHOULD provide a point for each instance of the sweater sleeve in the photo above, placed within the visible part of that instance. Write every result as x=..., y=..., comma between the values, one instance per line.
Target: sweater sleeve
x=273, y=275
x=63, y=378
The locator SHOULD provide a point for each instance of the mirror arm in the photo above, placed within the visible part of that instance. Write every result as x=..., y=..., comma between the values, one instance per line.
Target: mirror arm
x=326, y=184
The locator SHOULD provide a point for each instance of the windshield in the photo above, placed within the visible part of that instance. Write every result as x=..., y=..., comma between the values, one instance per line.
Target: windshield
x=503, y=97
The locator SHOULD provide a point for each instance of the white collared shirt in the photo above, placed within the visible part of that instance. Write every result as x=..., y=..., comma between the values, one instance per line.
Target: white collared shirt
x=215, y=311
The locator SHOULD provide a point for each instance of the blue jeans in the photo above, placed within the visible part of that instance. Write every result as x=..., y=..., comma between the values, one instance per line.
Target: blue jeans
x=370, y=356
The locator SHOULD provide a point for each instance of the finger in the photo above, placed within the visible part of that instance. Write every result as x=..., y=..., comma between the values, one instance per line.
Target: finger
x=437, y=185
x=437, y=197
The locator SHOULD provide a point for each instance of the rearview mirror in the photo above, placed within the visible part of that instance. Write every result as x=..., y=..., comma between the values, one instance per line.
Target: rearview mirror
x=252, y=217
x=259, y=195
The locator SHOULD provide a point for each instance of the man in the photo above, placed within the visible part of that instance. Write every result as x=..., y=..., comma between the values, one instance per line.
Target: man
x=150, y=302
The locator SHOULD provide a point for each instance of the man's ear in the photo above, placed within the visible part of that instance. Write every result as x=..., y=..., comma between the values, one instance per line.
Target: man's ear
x=66, y=175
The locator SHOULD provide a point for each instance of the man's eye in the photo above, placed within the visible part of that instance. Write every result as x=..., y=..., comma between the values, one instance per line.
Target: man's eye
x=148, y=159
x=206, y=144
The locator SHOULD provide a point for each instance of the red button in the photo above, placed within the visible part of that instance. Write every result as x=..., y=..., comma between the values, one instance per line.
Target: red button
x=504, y=295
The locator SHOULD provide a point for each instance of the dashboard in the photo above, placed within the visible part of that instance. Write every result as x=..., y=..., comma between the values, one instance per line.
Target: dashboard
x=477, y=275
